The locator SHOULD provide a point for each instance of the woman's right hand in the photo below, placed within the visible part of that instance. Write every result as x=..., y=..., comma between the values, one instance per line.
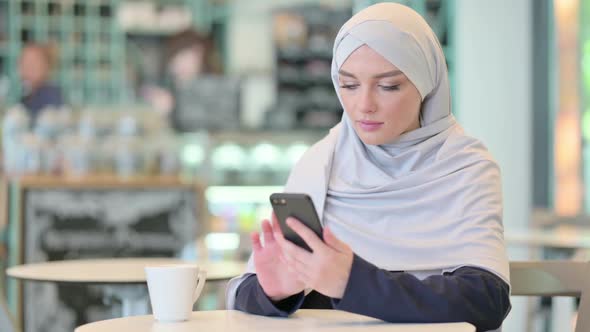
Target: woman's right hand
x=275, y=277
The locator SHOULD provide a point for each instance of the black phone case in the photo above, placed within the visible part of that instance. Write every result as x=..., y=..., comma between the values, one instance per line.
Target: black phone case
x=299, y=206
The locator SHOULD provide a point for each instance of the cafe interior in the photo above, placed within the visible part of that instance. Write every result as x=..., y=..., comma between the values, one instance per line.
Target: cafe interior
x=163, y=126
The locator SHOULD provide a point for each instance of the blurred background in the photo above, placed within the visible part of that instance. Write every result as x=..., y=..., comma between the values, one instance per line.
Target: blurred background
x=160, y=127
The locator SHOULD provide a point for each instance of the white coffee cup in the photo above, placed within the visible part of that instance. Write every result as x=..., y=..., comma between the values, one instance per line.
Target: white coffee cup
x=174, y=289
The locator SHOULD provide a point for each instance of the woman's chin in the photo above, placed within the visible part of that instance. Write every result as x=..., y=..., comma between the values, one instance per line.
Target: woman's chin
x=372, y=139
x=376, y=138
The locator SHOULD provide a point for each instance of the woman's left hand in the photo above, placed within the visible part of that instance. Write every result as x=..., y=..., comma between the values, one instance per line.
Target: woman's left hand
x=327, y=268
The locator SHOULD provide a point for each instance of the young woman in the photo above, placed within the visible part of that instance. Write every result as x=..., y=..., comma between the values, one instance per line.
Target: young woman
x=411, y=206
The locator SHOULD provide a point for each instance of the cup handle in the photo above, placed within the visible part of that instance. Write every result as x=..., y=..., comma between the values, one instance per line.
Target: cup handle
x=202, y=277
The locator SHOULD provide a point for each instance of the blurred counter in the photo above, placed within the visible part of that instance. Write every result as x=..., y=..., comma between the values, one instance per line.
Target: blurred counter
x=99, y=181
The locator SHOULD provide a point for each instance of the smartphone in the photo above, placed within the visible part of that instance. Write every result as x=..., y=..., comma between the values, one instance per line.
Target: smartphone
x=299, y=206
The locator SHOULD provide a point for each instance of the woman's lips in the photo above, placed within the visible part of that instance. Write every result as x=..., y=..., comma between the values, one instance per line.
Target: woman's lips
x=369, y=125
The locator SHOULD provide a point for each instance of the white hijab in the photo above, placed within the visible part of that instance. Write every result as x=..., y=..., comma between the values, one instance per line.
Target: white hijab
x=430, y=200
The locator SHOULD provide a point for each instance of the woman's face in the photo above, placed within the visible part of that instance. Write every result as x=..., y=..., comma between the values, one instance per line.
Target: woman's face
x=379, y=99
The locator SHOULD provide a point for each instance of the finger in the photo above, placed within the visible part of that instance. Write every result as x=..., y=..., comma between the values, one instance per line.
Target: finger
x=294, y=253
x=256, y=245
x=303, y=272
x=331, y=240
x=289, y=263
x=312, y=240
x=267, y=232
x=281, y=240
x=278, y=232
x=266, y=227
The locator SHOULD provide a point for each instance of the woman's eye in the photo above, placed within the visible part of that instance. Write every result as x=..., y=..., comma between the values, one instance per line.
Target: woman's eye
x=390, y=87
x=349, y=86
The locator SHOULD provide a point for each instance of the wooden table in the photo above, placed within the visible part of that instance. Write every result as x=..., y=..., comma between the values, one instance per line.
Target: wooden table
x=564, y=237
x=116, y=271
x=302, y=321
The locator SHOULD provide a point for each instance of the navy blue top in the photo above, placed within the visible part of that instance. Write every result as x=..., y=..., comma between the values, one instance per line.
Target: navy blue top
x=468, y=294
x=45, y=95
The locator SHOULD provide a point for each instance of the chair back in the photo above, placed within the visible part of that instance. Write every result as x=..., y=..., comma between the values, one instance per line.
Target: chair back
x=554, y=278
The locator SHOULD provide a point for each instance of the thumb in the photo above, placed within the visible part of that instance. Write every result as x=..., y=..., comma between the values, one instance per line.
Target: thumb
x=331, y=240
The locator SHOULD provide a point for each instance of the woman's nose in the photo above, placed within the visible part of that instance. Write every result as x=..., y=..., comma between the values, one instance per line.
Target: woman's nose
x=366, y=103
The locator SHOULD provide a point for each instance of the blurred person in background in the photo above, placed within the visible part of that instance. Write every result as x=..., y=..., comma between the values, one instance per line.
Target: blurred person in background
x=35, y=65
x=188, y=56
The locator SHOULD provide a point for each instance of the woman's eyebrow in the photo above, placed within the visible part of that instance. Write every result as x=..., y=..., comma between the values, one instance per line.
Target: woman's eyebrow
x=382, y=75
x=388, y=74
x=345, y=73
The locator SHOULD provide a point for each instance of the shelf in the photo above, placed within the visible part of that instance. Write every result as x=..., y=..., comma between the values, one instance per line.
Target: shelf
x=100, y=181
x=306, y=80
x=155, y=31
x=278, y=137
x=303, y=55
x=240, y=194
x=27, y=22
x=90, y=45
x=303, y=72
x=311, y=107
